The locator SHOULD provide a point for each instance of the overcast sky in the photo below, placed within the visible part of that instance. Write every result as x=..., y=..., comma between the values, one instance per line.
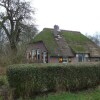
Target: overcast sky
x=76, y=15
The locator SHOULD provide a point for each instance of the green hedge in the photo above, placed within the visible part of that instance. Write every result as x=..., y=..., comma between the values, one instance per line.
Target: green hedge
x=31, y=78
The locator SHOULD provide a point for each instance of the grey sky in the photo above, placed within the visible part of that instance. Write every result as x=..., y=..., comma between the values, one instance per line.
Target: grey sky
x=78, y=15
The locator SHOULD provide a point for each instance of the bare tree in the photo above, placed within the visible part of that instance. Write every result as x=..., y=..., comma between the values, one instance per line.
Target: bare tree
x=95, y=38
x=2, y=40
x=28, y=32
x=16, y=14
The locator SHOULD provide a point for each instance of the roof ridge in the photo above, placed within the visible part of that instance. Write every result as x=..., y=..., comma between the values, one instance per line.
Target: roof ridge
x=63, y=30
x=47, y=28
x=71, y=31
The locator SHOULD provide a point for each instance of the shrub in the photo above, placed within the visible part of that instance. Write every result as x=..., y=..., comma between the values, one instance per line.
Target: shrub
x=3, y=81
x=34, y=78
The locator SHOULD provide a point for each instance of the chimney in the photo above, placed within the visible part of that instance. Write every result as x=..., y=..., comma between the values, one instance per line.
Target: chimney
x=56, y=30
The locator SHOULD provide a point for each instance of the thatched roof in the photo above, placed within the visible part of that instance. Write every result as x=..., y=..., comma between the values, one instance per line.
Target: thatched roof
x=70, y=42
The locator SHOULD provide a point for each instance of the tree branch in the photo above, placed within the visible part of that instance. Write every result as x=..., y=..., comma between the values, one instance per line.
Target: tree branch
x=6, y=31
x=2, y=25
x=4, y=6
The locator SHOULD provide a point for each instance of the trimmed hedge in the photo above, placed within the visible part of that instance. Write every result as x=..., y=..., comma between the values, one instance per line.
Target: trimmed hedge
x=33, y=78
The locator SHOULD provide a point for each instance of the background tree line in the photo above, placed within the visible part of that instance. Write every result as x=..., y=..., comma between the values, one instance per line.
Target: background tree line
x=95, y=38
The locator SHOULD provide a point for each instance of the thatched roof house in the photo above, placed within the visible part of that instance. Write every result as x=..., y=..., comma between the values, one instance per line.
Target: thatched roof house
x=55, y=45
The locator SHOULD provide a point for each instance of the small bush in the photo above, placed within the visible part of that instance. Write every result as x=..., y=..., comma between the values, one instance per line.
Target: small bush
x=3, y=81
x=33, y=78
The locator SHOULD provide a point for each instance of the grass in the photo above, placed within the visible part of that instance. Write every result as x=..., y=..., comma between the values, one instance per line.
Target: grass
x=2, y=77
x=1, y=98
x=3, y=80
x=3, y=83
x=85, y=95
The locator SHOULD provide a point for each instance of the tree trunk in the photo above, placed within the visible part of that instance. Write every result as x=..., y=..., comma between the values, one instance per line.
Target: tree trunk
x=13, y=48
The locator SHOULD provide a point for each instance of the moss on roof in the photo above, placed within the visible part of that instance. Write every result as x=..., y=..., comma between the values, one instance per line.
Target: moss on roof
x=74, y=36
x=77, y=41
x=78, y=48
x=47, y=37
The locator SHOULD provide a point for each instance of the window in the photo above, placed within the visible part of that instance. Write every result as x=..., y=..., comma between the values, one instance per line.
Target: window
x=81, y=57
x=45, y=57
x=33, y=53
x=38, y=54
x=64, y=60
x=60, y=60
x=69, y=60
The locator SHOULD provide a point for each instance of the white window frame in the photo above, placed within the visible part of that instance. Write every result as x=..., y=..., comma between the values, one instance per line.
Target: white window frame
x=65, y=60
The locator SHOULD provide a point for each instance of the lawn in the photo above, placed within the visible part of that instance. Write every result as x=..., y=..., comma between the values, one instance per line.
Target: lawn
x=92, y=94
x=86, y=95
x=1, y=98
